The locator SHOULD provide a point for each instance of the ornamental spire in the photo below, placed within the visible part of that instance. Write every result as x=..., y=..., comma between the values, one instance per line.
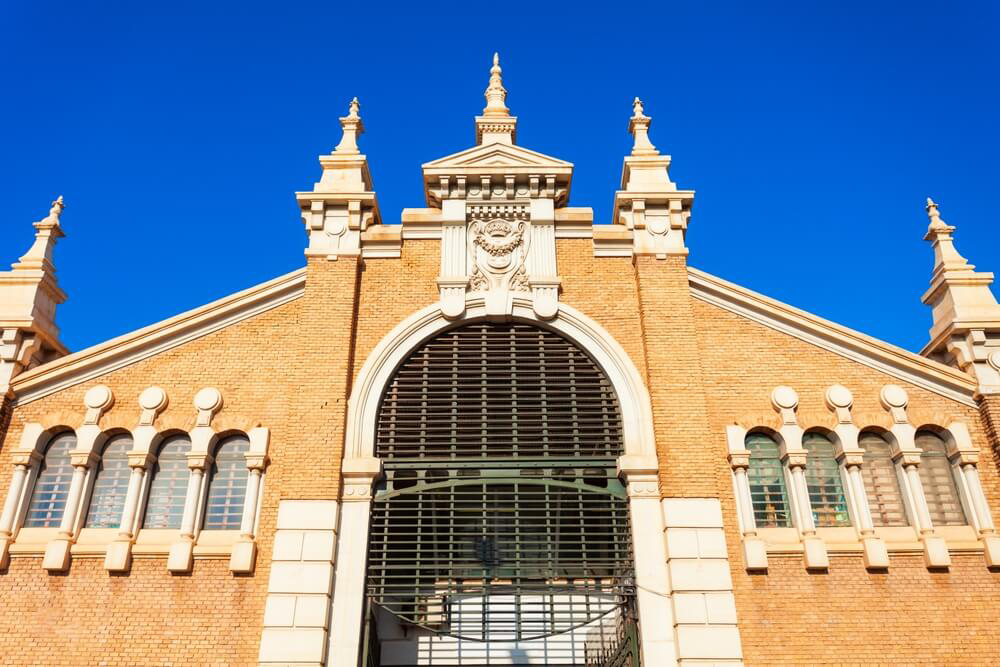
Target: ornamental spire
x=353, y=128
x=47, y=232
x=496, y=124
x=946, y=257
x=638, y=126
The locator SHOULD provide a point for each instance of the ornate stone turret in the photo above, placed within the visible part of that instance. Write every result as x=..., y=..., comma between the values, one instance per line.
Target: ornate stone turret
x=29, y=295
x=496, y=124
x=649, y=203
x=966, y=329
x=342, y=206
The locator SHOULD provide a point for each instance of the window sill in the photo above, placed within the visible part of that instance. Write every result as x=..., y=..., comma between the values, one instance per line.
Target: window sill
x=845, y=540
x=150, y=542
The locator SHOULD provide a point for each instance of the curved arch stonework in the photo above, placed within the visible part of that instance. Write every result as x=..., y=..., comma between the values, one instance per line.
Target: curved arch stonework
x=639, y=467
x=362, y=406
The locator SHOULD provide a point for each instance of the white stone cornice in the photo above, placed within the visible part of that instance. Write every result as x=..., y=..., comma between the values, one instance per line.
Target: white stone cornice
x=149, y=341
x=889, y=359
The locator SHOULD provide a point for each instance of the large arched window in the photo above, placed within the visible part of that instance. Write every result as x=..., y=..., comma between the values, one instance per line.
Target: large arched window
x=767, y=482
x=167, y=491
x=885, y=499
x=938, y=481
x=500, y=534
x=826, y=488
x=227, y=486
x=111, y=486
x=48, y=499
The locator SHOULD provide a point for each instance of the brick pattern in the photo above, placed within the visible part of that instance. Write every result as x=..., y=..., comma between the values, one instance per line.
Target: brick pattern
x=291, y=369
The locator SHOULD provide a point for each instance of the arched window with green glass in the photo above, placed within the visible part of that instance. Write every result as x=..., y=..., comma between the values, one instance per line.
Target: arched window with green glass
x=826, y=486
x=885, y=498
x=227, y=484
x=938, y=480
x=767, y=482
x=168, y=489
x=107, y=502
x=48, y=498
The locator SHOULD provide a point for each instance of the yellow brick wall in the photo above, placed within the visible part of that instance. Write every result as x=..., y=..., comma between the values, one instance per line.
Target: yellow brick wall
x=291, y=369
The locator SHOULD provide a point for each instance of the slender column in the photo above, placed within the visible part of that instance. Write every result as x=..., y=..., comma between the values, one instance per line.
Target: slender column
x=250, y=504
x=801, y=489
x=182, y=552
x=135, y=480
x=13, y=497
x=347, y=609
x=754, y=548
x=57, y=552
x=971, y=475
x=67, y=525
x=862, y=512
x=920, y=510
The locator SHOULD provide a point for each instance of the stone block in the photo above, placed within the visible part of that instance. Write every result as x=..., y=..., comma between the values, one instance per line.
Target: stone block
x=118, y=557
x=876, y=555
x=709, y=642
x=279, y=611
x=936, y=552
x=690, y=608
x=815, y=554
x=721, y=608
x=754, y=554
x=181, y=557
x=991, y=550
x=682, y=543
x=56, y=557
x=307, y=515
x=319, y=545
x=287, y=545
x=700, y=575
x=295, y=645
x=300, y=578
x=692, y=513
x=312, y=611
x=243, y=557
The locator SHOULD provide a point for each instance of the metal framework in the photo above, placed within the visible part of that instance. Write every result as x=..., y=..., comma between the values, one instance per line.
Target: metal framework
x=500, y=534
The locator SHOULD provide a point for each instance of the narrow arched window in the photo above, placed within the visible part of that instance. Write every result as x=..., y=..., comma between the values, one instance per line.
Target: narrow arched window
x=885, y=499
x=767, y=482
x=938, y=481
x=826, y=488
x=111, y=485
x=48, y=499
x=167, y=491
x=227, y=486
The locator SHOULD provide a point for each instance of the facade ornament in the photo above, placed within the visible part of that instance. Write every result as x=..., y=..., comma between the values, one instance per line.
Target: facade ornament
x=342, y=206
x=649, y=205
x=29, y=294
x=496, y=124
x=966, y=327
x=497, y=250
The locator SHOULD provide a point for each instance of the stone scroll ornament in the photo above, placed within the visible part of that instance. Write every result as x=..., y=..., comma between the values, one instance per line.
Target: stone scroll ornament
x=497, y=250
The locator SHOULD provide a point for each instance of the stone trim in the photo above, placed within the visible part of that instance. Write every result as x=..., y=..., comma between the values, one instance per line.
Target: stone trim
x=149, y=341
x=896, y=362
x=296, y=611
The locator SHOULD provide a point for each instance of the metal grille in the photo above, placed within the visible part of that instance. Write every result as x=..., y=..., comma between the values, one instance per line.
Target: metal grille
x=826, y=488
x=227, y=487
x=488, y=390
x=938, y=481
x=108, y=499
x=500, y=534
x=165, y=508
x=885, y=499
x=767, y=482
x=48, y=500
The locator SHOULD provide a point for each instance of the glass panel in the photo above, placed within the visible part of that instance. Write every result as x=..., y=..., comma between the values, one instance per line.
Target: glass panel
x=767, y=482
x=227, y=487
x=48, y=499
x=826, y=489
x=885, y=499
x=165, y=508
x=111, y=485
x=939, y=484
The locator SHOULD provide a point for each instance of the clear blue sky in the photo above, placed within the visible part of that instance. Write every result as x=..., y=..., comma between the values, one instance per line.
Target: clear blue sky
x=812, y=133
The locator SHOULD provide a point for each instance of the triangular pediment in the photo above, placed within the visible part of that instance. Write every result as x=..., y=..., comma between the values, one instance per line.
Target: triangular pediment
x=499, y=156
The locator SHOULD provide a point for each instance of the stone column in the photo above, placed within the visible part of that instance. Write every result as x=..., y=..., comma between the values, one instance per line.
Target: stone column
x=118, y=557
x=754, y=548
x=57, y=552
x=24, y=463
x=245, y=551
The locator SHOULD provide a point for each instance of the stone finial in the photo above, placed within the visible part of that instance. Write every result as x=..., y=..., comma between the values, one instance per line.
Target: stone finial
x=353, y=128
x=496, y=94
x=946, y=257
x=48, y=231
x=638, y=127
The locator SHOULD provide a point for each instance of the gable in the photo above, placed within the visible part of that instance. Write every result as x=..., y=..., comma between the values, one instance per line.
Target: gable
x=858, y=347
x=496, y=155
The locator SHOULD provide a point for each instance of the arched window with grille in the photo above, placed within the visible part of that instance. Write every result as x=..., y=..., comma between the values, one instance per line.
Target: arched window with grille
x=107, y=501
x=767, y=482
x=168, y=488
x=227, y=485
x=826, y=487
x=885, y=497
x=500, y=534
x=938, y=481
x=48, y=498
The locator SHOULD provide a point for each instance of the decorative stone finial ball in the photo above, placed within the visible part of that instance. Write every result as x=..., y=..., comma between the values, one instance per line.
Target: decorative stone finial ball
x=784, y=398
x=893, y=396
x=98, y=398
x=208, y=398
x=839, y=396
x=994, y=360
x=152, y=398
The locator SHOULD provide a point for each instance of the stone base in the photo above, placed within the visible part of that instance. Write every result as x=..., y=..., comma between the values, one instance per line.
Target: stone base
x=815, y=554
x=876, y=555
x=5, y=543
x=57, y=555
x=243, y=558
x=181, y=557
x=755, y=554
x=991, y=550
x=118, y=557
x=936, y=552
